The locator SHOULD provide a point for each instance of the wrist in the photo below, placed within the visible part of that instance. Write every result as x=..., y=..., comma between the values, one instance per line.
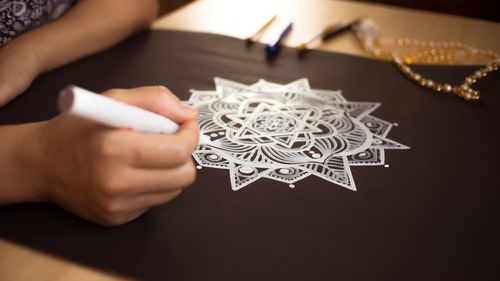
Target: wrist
x=22, y=165
x=32, y=160
x=26, y=50
x=19, y=65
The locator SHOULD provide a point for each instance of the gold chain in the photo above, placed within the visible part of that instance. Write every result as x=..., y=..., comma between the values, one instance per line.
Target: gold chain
x=404, y=52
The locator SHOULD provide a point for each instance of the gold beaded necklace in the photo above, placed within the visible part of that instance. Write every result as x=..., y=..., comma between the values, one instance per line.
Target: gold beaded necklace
x=405, y=51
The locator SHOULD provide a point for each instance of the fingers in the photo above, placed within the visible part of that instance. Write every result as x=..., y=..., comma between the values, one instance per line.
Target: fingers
x=128, y=209
x=114, y=218
x=149, y=200
x=158, y=180
x=143, y=190
x=157, y=99
x=133, y=181
x=159, y=151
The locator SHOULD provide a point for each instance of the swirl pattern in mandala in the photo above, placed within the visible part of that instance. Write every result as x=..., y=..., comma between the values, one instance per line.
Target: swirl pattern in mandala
x=287, y=132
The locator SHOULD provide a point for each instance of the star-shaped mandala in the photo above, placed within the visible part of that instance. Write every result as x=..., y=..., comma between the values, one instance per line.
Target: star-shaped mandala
x=287, y=132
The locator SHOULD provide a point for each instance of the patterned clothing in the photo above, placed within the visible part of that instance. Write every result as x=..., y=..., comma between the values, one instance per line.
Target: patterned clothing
x=18, y=16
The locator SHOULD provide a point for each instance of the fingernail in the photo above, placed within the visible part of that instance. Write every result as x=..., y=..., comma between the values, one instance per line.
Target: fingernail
x=188, y=109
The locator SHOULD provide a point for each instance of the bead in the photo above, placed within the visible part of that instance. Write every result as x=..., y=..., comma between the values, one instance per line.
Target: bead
x=397, y=60
x=463, y=93
x=478, y=74
x=468, y=95
x=469, y=80
x=447, y=88
x=422, y=81
x=438, y=87
x=429, y=83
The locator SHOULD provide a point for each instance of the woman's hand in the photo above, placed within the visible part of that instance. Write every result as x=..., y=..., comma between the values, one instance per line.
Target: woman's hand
x=106, y=175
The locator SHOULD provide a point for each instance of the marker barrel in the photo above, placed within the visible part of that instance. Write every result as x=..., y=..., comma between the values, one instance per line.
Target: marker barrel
x=101, y=109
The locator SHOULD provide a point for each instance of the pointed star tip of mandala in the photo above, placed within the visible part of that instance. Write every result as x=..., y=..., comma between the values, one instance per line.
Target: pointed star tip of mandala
x=236, y=188
x=217, y=80
x=400, y=146
x=352, y=188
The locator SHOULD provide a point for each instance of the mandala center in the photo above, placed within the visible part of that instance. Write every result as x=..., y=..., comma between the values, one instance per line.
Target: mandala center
x=273, y=123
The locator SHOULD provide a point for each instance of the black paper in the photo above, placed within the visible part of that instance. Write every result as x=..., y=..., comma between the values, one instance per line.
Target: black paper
x=432, y=215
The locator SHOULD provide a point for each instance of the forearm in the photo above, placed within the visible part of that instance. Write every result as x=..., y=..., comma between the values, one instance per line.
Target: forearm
x=90, y=26
x=19, y=181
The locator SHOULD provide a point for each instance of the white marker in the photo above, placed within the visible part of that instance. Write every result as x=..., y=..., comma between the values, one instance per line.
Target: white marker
x=107, y=111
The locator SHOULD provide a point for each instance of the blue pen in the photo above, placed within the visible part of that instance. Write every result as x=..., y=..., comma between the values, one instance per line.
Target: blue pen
x=272, y=48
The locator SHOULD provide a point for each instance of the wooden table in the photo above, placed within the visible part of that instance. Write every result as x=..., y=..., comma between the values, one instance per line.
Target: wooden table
x=240, y=19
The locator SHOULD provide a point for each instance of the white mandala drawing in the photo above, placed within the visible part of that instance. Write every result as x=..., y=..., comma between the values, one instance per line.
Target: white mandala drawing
x=287, y=132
